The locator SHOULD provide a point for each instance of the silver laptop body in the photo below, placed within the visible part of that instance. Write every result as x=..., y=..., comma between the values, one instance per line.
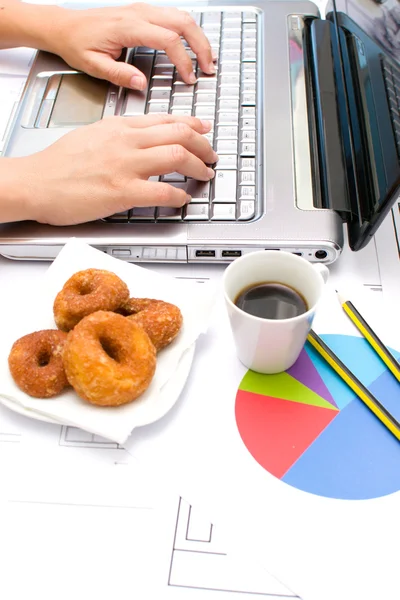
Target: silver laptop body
x=272, y=203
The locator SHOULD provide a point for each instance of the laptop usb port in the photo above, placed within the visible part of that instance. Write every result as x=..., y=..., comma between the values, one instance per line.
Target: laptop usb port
x=231, y=253
x=205, y=253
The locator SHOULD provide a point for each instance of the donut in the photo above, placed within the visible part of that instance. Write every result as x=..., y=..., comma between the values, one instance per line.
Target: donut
x=161, y=320
x=108, y=359
x=87, y=292
x=36, y=363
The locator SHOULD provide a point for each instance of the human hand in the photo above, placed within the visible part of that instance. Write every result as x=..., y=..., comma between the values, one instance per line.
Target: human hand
x=102, y=169
x=92, y=40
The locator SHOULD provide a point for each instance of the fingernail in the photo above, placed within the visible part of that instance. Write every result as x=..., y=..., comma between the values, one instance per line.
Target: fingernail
x=206, y=125
x=211, y=68
x=137, y=82
x=192, y=78
x=216, y=157
x=214, y=55
x=188, y=199
x=210, y=173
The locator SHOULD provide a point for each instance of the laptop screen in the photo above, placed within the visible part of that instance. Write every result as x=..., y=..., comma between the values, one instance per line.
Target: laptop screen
x=368, y=95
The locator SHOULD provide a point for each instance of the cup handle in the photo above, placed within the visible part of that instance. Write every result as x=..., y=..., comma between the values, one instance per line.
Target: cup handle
x=322, y=270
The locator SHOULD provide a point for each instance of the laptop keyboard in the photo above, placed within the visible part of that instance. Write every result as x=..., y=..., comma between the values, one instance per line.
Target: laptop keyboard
x=391, y=74
x=227, y=100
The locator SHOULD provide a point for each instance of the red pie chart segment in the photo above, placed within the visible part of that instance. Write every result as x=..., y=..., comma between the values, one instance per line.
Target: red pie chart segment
x=275, y=447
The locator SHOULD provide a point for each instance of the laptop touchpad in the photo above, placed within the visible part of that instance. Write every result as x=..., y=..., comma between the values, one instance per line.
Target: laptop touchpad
x=64, y=100
x=79, y=101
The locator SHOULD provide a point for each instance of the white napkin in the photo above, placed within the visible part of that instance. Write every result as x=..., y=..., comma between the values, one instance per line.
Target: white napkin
x=173, y=363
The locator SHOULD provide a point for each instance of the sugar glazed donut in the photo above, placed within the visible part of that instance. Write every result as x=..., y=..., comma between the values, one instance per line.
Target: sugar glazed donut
x=36, y=363
x=108, y=359
x=87, y=292
x=161, y=320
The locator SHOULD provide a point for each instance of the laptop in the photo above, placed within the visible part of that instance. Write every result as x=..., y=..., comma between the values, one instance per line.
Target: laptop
x=306, y=122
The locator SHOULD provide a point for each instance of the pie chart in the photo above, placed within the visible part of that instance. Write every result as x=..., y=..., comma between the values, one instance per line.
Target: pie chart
x=308, y=428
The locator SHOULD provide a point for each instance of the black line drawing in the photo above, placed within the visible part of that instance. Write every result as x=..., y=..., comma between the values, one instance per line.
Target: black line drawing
x=11, y=438
x=196, y=545
x=373, y=287
x=205, y=535
x=78, y=438
x=196, y=279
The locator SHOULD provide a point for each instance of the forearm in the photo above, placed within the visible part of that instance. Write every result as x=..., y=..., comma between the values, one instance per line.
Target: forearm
x=30, y=25
x=14, y=204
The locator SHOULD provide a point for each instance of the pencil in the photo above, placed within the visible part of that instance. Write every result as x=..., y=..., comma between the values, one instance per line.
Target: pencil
x=379, y=347
x=355, y=384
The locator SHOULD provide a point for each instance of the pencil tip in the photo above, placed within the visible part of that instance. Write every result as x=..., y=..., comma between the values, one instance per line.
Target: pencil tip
x=342, y=299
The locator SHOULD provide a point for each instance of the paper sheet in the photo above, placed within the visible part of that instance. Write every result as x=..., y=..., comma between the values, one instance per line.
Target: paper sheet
x=321, y=546
x=387, y=240
x=77, y=533
x=356, y=271
x=16, y=62
x=78, y=512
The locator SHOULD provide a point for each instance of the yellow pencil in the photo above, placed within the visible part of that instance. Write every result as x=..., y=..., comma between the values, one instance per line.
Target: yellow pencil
x=379, y=347
x=355, y=384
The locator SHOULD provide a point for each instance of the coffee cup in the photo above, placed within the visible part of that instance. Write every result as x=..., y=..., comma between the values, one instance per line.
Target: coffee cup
x=271, y=298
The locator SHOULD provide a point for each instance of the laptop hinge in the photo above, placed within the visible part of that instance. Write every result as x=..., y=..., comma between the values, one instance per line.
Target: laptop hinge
x=329, y=114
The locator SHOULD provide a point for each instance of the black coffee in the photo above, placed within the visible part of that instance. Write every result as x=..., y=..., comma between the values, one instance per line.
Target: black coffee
x=271, y=301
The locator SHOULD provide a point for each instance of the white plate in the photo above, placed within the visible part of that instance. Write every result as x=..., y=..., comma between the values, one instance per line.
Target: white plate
x=195, y=302
x=168, y=396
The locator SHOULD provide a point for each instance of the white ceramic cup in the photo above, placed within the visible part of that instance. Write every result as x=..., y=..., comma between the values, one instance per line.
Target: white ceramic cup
x=272, y=345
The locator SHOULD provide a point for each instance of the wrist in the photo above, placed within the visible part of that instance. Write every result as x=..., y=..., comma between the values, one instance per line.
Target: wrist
x=30, y=25
x=14, y=191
